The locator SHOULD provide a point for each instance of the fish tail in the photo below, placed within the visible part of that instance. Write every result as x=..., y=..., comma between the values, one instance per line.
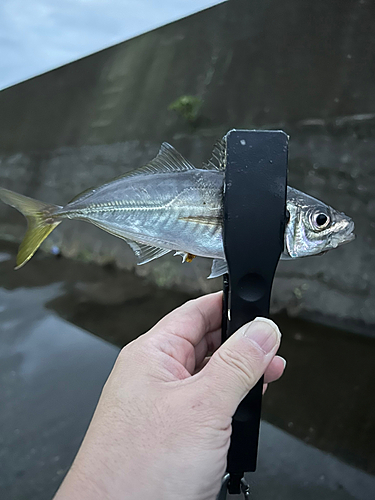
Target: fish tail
x=40, y=222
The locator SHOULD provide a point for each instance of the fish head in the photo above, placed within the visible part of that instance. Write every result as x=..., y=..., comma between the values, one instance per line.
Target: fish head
x=313, y=227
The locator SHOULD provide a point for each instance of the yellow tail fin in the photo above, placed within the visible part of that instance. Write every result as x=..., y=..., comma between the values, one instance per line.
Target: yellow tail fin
x=40, y=221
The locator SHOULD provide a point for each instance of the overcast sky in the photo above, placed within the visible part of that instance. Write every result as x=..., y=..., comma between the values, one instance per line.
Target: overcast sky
x=39, y=35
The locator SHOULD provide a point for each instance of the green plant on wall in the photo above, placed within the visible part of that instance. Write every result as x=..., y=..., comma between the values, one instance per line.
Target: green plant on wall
x=187, y=106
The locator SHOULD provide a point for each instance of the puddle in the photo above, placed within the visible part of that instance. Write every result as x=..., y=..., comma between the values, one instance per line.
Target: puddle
x=325, y=397
x=4, y=256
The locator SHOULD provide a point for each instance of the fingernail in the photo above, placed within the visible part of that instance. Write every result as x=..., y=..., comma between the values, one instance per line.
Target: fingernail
x=264, y=333
x=283, y=360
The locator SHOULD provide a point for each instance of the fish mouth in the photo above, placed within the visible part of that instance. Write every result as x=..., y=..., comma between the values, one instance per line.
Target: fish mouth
x=348, y=239
x=348, y=236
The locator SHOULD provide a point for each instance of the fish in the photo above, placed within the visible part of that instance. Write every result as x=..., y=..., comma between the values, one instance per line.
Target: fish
x=170, y=205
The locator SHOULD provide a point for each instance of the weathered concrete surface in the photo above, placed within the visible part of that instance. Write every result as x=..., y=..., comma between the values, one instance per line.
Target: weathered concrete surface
x=306, y=67
x=253, y=63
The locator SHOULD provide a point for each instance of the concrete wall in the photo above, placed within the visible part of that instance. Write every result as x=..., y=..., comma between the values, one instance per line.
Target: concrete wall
x=307, y=67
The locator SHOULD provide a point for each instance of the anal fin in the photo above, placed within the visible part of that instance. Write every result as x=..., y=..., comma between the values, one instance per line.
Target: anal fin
x=146, y=253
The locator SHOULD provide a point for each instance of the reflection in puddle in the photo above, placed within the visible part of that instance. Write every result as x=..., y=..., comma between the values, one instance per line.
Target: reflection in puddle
x=4, y=256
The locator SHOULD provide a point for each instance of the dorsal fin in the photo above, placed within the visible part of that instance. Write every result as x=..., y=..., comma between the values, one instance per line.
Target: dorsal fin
x=218, y=158
x=166, y=161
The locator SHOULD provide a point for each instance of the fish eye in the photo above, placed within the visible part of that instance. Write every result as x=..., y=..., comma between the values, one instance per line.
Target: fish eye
x=321, y=220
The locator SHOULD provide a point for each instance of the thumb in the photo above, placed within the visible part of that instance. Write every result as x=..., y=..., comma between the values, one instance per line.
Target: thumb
x=238, y=364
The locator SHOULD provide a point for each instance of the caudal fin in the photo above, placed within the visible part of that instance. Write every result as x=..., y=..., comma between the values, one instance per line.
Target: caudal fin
x=40, y=222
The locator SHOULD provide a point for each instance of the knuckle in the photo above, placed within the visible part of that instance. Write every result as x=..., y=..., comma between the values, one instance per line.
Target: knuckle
x=243, y=367
x=128, y=352
x=132, y=354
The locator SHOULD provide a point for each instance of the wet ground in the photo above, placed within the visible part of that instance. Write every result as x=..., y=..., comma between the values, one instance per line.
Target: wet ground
x=318, y=437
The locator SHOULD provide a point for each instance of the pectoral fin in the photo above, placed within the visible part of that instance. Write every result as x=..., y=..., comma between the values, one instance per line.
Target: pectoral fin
x=219, y=267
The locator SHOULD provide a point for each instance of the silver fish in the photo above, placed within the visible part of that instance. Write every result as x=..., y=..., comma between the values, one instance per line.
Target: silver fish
x=169, y=205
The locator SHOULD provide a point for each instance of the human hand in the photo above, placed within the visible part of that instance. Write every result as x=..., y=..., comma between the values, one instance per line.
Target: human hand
x=162, y=426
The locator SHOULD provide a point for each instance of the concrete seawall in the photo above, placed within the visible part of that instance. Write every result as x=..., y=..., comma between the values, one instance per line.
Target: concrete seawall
x=306, y=67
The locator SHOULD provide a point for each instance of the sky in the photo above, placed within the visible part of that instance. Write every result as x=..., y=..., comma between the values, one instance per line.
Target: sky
x=39, y=35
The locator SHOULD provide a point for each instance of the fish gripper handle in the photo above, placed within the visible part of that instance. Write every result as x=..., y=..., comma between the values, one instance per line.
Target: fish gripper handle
x=254, y=222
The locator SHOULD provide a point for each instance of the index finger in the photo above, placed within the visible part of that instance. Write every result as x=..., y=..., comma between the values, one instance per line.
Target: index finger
x=193, y=320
